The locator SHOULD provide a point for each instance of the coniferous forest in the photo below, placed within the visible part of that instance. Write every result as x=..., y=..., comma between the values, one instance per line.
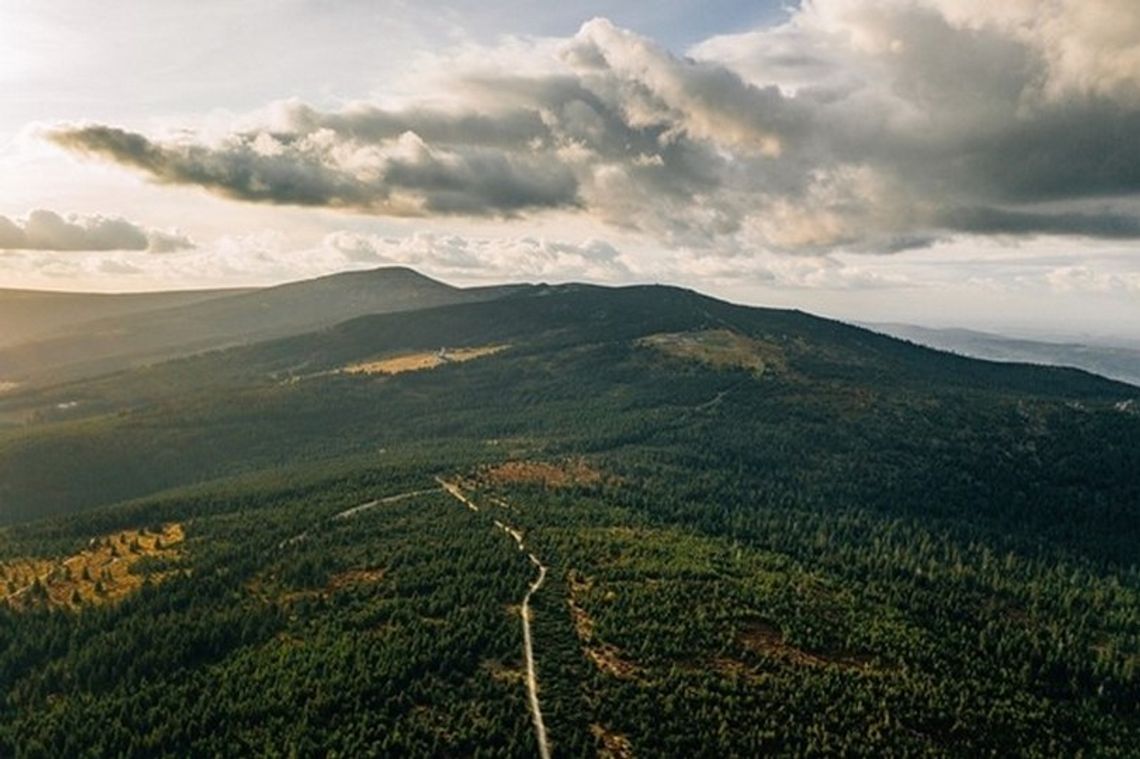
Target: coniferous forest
x=764, y=533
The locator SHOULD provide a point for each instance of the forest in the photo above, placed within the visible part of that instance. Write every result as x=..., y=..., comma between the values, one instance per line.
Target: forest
x=800, y=539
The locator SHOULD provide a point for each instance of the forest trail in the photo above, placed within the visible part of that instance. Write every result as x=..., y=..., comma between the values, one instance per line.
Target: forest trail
x=528, y=641
x=455, y=492
x=349, y=513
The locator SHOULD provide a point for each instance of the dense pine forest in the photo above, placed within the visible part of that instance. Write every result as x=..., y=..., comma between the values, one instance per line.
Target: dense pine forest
x=766, y=533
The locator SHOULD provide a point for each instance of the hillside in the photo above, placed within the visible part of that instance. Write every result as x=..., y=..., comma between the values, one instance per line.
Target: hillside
x=28, y=315
x=743, y=531
x=583, y=367
x=103, y=345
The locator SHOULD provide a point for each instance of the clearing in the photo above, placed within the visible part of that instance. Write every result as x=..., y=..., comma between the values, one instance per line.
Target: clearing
x=606, y=658
x=614, y=745
x=720, y=349
x=100, y=573
x=416, y=362
x=768, y=639
x=549, y=475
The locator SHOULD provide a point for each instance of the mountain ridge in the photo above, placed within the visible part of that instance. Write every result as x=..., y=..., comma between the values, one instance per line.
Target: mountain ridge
x=594, y=335
x=27, y=315
x=95, y=347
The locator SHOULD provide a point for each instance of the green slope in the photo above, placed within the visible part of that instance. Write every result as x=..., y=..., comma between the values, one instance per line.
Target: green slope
x=803, y=539
x=105, y=345
x=578, y=377
x=27, y=315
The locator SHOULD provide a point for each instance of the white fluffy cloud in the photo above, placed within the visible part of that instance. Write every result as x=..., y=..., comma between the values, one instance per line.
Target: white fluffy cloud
x=518, y=258
x=858, y=125
x=47, y=230
x=1081, y=278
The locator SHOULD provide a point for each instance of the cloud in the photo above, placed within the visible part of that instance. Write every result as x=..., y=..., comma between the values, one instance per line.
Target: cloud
x=856, y=125
x=980, y=220
x=270, y=256
x=526, y=258
x=460, y=258
x=400, y=175
x=47, y=230
x=1080, y=278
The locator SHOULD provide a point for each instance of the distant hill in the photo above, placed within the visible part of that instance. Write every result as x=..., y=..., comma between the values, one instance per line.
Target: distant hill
x=1116, y=362
x=141, y=335
x=27, y=315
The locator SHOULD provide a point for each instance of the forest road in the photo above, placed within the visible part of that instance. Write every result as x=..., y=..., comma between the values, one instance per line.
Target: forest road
x=528, y=639
x=350, y=513
x=531, y=677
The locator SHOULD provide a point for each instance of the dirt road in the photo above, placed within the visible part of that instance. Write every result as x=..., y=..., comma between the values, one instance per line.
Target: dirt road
x=528, y=640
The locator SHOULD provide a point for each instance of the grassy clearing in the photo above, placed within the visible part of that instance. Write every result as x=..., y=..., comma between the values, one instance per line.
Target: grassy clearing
x=613, y=745
x=346, y=580
x=719, y=348
x=417, y=362
x=767, y=639
x=101, y=573
x=551, y=475
x=606, y=657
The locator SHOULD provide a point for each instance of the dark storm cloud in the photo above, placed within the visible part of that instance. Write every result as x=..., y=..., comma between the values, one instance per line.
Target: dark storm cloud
x=1002, y=222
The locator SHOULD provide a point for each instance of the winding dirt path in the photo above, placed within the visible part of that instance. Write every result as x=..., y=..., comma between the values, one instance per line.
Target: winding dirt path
x=531, y=676
x=528, y=640
x=350, y=513
x=455, y=491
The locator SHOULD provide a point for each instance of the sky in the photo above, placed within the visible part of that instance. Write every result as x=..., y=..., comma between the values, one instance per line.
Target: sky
x=939, y=162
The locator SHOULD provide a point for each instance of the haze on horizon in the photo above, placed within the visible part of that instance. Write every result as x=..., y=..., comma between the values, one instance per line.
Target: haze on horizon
x=940, y=162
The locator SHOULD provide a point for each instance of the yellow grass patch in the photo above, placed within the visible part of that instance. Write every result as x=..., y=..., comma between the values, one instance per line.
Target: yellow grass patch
x=765, y=638
x=7, y=387
x=504, y=673
x=350, y=578
x=354, y=577
x=551, y=475
x=606, y=657
x=101, y=573
x=614, y=745
x=416, y=362
x=719, y=348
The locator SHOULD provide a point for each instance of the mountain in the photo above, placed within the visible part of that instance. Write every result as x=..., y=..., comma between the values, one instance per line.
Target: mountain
x=90, y=442
x=1116, y=362
x=654, y=521
x=142, y=335
x=28, y=315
